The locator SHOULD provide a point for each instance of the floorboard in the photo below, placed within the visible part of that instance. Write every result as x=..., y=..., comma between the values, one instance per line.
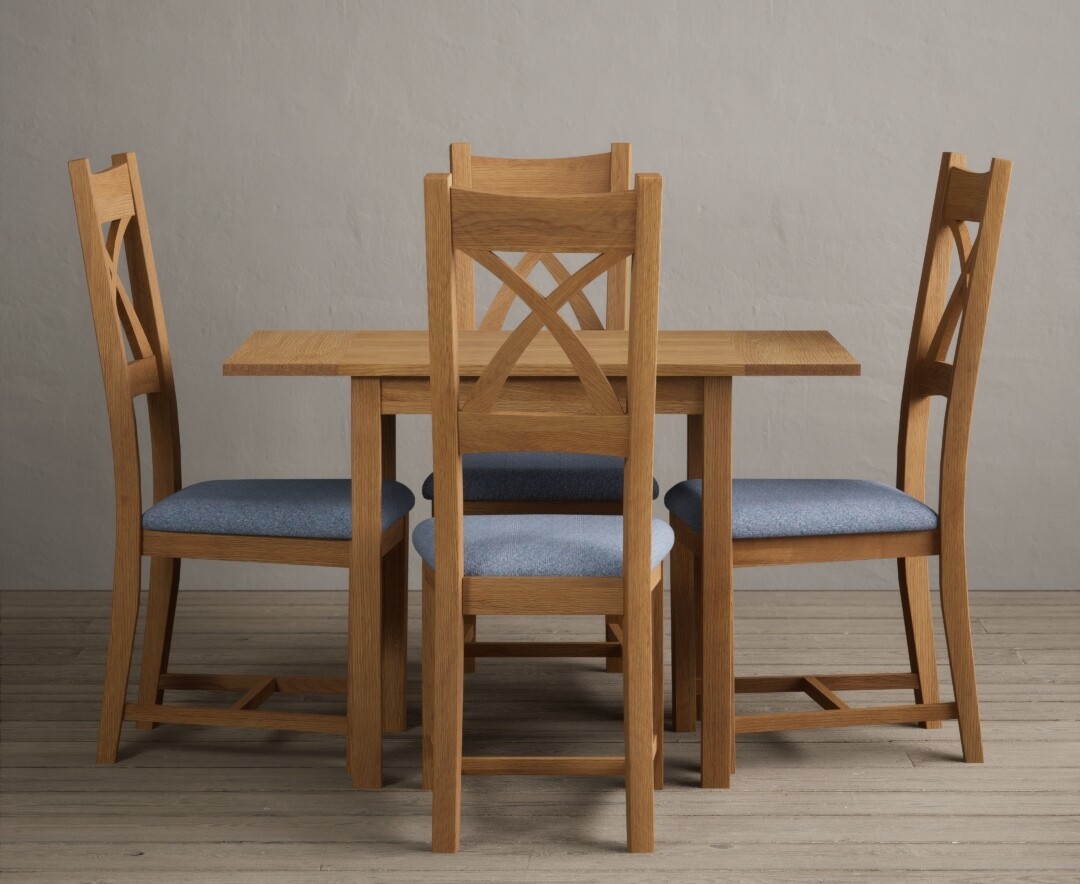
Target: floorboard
x=193, y=804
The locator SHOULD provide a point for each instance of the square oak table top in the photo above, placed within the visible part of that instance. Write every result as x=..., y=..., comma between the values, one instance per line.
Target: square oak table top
x=404, y=354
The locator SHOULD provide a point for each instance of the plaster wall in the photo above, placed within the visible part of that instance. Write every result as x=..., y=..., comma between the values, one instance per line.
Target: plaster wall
x=282, y=147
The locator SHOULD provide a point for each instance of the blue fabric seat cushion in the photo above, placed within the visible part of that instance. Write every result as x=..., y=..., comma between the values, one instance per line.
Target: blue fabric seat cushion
x=543, y=545
x=539, y=475
x=808, y=508
x=312, y=508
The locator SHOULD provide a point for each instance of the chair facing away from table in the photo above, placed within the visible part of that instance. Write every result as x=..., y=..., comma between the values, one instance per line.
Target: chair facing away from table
x=793, y=521
x=542, y=563
x=541, y=481
x=287, y=521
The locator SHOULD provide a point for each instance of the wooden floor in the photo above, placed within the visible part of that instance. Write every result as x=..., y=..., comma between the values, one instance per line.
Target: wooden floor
x=188, y=804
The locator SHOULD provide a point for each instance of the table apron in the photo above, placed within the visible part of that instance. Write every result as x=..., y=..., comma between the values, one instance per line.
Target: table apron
x=674, y=395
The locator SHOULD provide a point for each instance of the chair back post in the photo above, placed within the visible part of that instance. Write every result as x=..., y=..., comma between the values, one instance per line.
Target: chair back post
x=969, y=343
x=443, y=602
x=164, y=420
x=465, y=278
x=114, y=197
x=961, y=196
x=443, y=325
x=617, y=313
x=915, y=404
x=641, y=391
x=595, y=173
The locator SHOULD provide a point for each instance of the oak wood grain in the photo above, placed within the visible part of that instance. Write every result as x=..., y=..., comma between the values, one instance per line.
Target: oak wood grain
x=404, y=354
x=135, y=360
x=960, y=196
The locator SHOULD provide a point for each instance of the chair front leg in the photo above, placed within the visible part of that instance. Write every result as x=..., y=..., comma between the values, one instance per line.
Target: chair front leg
x=157, y=632
x=914, y=575
x=124, y=617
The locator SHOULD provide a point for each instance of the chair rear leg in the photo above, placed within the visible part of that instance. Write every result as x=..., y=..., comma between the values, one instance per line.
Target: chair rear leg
x=157, y=631
x=684, y=640
x=395, y=632
x=957, y=617
x=427, y=679
x=447, y=688
x=638, y=719
x=658, y=682
x=125, y=615
x=914, y=575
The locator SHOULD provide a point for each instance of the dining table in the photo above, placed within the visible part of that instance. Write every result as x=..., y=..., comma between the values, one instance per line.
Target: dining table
x=390, y=375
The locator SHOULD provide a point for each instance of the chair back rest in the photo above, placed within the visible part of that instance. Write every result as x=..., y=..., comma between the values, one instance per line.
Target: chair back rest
x=488, y=415
x=133, y=347
x=562, y=176
x=957, y=324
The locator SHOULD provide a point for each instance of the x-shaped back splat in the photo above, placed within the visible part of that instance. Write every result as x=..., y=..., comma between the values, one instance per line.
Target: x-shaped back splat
x=544, y=313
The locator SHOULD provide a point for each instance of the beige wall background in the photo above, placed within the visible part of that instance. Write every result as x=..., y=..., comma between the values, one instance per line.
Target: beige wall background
x=282, y=147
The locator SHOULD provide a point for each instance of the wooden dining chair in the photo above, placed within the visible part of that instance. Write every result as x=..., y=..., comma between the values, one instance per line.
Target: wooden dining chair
x=543, y=563
x=794, y=521
x=287, y=521
x=515, y=482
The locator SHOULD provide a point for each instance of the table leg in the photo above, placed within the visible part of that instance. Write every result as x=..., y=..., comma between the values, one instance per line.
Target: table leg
x=685, y=619
x=364, y=674
x=717, y=586
x=395, y=603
